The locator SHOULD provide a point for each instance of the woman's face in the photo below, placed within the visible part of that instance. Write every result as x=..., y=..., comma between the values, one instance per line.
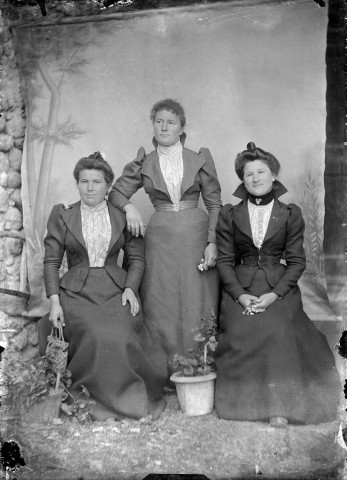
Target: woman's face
x=167, y=128
x=92, y=186
x=258, y=178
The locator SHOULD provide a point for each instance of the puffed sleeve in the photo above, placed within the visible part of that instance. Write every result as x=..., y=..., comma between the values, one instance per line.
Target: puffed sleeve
x=294, y=252
x=227, y=252
x=54, y=250
x=129, y=182
x=135, y=252
x=210, y=192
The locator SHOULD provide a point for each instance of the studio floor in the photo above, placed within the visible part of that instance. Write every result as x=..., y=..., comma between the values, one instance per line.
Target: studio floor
x=176, y=444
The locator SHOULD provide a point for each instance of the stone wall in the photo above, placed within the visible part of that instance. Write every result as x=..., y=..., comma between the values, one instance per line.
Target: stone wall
x=21, y=331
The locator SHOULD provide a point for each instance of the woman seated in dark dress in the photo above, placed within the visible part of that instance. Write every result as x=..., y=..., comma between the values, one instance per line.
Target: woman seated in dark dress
x=273, y=364
x=96, y=300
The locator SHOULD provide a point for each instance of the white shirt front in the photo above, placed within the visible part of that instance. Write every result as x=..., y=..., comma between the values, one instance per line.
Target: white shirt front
x=96, y=231
x=259, y=216
x=171, y=165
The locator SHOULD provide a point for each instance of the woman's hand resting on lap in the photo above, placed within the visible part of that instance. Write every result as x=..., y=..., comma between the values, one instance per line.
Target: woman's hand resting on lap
x=245, y=299
x=135, y=224
x=260, y=303
x=266, y=300
x=129, y=296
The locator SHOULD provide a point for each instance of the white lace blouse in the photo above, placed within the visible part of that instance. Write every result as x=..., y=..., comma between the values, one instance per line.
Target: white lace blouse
x=259, y=216
x=96, y=231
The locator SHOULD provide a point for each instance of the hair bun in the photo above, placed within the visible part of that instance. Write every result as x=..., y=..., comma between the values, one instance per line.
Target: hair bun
x=96, y=155
x=251, y=147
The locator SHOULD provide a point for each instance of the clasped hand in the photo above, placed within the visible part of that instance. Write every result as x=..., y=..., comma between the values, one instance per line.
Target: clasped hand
x=260, y=304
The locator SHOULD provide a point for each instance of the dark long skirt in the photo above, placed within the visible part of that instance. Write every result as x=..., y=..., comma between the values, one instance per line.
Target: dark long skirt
x=274, y=363
x=175, y=294
x=108, y=352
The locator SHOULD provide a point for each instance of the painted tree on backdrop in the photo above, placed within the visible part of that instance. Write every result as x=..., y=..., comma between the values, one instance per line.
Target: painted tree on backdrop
x=48, y=56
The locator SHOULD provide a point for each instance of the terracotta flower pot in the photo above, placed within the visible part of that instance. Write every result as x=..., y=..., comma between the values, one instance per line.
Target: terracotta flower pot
x=195, y=394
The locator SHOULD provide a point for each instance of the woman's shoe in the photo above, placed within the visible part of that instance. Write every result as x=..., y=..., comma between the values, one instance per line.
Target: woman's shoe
x=157, y=408
x=169, y=388
x=278, y=422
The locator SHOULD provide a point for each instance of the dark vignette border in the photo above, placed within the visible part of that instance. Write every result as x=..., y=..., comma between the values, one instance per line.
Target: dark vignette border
x=335, y=176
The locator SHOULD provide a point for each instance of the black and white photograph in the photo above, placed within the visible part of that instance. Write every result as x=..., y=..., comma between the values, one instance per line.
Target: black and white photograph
x=173, y=239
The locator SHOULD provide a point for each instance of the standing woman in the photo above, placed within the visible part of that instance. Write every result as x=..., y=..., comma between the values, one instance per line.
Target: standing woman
x=272, y=363
x=96, y=300
x=174, y=293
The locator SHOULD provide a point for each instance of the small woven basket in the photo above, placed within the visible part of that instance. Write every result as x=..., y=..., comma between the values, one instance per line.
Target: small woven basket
x=57, y=352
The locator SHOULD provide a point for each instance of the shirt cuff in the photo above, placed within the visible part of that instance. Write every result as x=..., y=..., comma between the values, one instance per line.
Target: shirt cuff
x=211, y=238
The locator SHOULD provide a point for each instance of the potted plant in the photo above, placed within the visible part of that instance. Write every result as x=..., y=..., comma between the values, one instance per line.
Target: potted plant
x=78, y=406
x=195, y=374
x=42, y=393
x=38, y=390
x=33, y=390
x=48, y=408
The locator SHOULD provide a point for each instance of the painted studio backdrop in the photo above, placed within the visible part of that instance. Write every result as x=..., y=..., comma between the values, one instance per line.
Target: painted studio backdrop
x=242, y=73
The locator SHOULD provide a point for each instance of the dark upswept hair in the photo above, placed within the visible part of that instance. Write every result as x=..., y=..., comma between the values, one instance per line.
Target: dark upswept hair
x=171, y=106
x=94, y=162
x=254, y=153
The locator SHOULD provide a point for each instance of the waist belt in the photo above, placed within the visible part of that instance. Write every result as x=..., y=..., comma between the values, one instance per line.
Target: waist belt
x=175, y=207
x=262, y=261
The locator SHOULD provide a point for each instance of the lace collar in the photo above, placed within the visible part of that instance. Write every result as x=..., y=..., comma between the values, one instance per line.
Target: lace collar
x=95, y=208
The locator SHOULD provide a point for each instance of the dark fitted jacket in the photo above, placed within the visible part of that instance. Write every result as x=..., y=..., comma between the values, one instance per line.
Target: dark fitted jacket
x=238, y=258
x=64, y=233
x=199, y=176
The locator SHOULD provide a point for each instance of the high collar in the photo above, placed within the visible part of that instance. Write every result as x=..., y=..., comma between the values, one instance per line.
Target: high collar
x=94, y=208
x=278, y=188
x=261, y=200
x=171, y=150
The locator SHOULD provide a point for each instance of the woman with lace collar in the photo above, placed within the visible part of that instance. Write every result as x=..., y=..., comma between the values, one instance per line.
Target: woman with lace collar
x=272, y=363
x=175, y=293
x=97, y=301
